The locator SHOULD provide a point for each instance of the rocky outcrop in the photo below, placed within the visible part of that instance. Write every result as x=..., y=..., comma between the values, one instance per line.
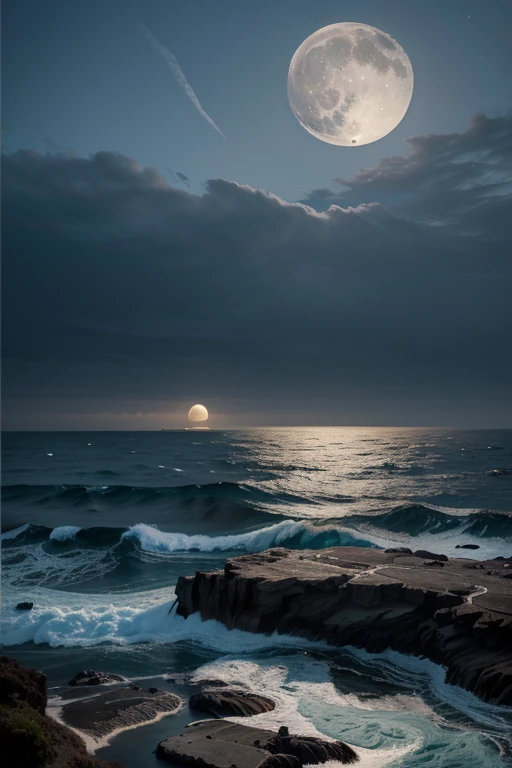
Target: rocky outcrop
x=457, y=613
x=25, y=606
x=310, y=750
x=228, y=703
x=91, y=677
x=220, y=744
x=117, y=709
x=28, y=737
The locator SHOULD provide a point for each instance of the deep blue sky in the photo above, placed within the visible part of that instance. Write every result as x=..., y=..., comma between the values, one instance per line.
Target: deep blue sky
x=143, y=270
x=82, y=75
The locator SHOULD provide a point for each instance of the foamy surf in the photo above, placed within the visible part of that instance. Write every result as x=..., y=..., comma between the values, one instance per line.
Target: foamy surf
x=65, y=619
x=390, y=730
x=65, y=533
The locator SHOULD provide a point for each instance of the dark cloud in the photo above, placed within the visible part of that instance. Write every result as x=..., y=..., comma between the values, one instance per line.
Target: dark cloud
x=119, y=287
x=462, y=180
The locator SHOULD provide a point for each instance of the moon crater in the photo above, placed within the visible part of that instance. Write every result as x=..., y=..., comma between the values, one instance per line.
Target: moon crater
x=350, y=84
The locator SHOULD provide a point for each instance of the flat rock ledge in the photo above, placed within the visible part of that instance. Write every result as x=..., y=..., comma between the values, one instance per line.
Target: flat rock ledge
x=98, y=716
x=220, y=744
x=456, y=612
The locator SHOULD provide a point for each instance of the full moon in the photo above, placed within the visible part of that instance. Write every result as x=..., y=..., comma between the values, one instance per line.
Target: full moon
x=198, y=413
x=350, y=84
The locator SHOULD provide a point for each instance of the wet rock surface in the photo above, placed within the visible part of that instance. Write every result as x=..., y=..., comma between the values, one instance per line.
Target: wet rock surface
x=98, y=716
x=458, y=613
x=91, y=677
x=220, y=744
x=25, y=606
x=231, y=703
x=310, y=750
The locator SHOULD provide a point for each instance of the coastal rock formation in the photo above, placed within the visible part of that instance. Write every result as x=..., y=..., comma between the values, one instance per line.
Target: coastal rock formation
x=229, y=703
x=25, y=606
x=91, y=677
x=310, y=750
x=458, y=615
x=28, y=737
x=98, y=716
x=220, y=744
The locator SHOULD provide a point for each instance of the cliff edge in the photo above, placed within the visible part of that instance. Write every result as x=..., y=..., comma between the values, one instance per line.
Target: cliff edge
x=456, y=612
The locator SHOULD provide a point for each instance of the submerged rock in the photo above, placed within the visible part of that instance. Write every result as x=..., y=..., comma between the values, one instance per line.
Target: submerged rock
x=231, y=703
x=91, y=677
x=467, y=546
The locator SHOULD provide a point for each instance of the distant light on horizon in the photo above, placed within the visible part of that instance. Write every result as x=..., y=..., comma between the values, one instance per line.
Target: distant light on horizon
x=198, y=413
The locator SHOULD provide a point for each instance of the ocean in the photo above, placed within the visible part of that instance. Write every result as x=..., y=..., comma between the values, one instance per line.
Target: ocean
x=97, y=527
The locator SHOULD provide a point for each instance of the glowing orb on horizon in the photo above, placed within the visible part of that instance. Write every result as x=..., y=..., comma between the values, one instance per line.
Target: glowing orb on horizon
x=198, y=413
x=350, y=84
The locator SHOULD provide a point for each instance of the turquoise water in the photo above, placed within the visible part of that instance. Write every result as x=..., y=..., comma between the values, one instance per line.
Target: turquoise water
x=97, y=527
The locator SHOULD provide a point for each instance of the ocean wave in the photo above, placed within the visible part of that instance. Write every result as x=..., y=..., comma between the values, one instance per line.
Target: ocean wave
x=288, y=533
x=71, y=620
x=418, y=519
x=211, y=506
x=65, y=533
x=77, y=495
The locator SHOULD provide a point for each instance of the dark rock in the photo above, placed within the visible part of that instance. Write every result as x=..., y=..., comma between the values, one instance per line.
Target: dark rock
x=430, y=555
x=467, y=546
x=213, y=683
x=24, y=606
x=91, y=677
x=399, y=551
x=457, y=613
x=231, y=703
x=311, y=750
x=221, y=744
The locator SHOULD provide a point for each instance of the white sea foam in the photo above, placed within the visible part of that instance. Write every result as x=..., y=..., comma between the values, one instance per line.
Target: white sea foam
x=287, y=532
x=288, y=681
x=383, y=730
x=70, y=620
x=65, y=532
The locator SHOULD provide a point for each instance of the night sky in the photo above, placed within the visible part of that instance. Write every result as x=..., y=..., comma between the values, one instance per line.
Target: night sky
x=159, y=252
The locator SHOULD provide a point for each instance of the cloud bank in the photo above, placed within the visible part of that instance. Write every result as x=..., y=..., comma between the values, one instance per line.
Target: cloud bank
x=121, y=291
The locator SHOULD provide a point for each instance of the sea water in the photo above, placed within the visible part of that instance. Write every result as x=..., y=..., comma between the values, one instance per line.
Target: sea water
x=97, y=527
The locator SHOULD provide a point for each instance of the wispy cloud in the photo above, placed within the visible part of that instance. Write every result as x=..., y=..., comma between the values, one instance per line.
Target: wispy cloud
x=175, y=68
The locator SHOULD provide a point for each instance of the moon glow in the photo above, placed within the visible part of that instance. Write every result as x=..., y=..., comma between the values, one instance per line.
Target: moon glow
x=350, y=84
x=198, y=413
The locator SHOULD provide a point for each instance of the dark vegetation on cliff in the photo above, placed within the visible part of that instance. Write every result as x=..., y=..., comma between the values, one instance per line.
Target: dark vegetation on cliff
x=29, y=738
